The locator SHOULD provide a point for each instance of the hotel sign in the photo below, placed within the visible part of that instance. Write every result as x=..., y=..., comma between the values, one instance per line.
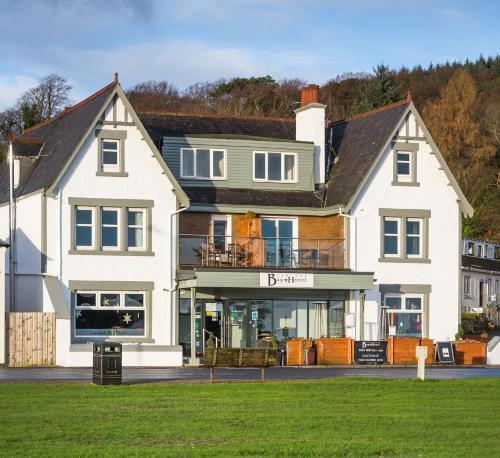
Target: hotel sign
x=286, y=280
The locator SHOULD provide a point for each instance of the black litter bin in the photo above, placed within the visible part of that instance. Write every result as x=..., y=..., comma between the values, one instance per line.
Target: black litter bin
x=107, y=364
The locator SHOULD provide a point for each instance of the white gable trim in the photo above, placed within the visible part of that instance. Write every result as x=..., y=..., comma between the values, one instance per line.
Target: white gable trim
x=181, y=195
x=465, y=206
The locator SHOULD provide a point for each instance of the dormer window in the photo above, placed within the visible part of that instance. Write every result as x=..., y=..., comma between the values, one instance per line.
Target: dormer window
x=278, y=167
x=405, y=164
x=203, y=164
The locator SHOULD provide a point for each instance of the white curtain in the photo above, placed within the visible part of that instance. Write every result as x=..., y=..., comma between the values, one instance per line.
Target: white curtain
x=320, y=320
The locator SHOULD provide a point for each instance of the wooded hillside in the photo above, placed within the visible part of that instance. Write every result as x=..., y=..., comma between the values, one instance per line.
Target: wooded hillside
x=460, y=104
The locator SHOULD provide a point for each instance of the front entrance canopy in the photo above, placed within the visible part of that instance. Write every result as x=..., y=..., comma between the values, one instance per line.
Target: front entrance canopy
x=270, y=279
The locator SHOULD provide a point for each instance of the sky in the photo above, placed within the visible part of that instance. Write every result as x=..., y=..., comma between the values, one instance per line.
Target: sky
x=188, y=41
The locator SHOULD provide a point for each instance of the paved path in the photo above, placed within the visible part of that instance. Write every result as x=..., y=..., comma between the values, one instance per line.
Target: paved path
x=151, y=375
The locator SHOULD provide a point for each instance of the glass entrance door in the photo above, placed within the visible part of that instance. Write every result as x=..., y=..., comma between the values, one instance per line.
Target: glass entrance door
x=278, y=235
x=237, y=334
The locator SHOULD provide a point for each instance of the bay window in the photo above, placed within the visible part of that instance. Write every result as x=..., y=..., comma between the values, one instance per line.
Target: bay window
x=270, y=166
x=109, y=314
x=200, y=163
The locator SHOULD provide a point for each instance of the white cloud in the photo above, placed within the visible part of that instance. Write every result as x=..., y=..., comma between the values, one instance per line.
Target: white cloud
x=11, y=87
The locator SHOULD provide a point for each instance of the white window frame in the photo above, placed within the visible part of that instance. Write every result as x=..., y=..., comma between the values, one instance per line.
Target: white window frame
x=400, y=177
x=91, y=225
x=467, y=286
x=420, y=222
x=397, y=235
x=121, y=307
x=403, y=308
x=117, y=226
x=228, y=220
x=195, y=165
x=110, y=167
x=282, y=163
x=133, y=226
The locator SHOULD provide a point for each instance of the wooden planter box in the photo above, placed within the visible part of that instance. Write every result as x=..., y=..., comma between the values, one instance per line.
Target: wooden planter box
x=469, y=352
x=402, y=350
x=295, y=351
x=333, y=351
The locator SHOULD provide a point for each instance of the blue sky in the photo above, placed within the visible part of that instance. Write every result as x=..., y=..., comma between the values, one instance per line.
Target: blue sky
x=187, y=41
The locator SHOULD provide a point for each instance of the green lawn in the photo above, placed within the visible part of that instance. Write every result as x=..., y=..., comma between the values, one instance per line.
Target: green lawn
x=337, y=417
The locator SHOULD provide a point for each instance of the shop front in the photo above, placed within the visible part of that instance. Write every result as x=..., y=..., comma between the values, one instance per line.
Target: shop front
x=252, y=309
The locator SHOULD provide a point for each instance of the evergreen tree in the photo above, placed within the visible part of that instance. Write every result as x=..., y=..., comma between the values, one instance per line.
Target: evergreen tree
x=381, y=90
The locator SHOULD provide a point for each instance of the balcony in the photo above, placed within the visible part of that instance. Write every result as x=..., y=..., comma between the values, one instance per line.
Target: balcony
x=261, y=252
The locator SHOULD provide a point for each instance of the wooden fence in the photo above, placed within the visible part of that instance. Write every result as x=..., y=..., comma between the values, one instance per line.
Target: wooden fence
x=31, y=339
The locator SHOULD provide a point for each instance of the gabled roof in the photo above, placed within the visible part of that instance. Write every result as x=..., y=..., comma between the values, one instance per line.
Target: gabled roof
x=161, y=125
x=60, y=139
x=475, y=262
x=357, y=142
x=60, y=136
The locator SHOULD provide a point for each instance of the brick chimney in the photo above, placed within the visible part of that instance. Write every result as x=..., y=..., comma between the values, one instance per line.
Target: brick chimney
x=310, y=126
x=309, y=94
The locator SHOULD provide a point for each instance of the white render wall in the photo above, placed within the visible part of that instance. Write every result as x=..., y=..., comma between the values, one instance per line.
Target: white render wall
x=443, y=273
x=3, y=299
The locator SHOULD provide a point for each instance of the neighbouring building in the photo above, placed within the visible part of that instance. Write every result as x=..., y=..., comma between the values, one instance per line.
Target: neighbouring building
x=3, y=247
x=480, y=275
x=159, y=230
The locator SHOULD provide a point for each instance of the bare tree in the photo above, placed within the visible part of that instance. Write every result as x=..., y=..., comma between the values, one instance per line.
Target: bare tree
x=45, y=100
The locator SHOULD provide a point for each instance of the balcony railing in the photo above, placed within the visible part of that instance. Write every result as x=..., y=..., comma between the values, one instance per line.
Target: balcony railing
x=261, y=252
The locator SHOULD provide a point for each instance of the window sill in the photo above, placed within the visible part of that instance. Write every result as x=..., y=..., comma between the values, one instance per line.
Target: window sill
x=405, y=183
x=406, y=260
x=111, y=253
x=204, y=179
x=111, y=174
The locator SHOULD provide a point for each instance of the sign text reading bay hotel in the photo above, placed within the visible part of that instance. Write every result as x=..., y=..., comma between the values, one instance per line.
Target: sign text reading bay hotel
x=286, y=280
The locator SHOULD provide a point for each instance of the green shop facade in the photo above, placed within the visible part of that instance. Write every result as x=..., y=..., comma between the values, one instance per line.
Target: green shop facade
x=247, y=308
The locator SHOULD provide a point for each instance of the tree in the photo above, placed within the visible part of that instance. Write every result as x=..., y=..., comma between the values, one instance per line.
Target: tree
x=381, y=90
x=45, y=100
x=453, y=122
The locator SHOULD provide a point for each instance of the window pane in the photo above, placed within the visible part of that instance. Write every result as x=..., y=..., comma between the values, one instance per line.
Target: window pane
x=135, y=218
x=289, y=167
x=109, y=322
x=85, y=299
x=285, y=320
x=219, y=234
x=109, y=145
x=403, y=168
x=83, y=216
x=218, y=163
x=203, y=163
x=413, y=303
x=274, y=166
x=390, y=227
x=134, y=300
x=413, y=227
x=413, y=245
x=109, y=157
x=109, y=236
x=109, y=217
x=135, y=237
x=110, y=300
x=260, y=166
x=390, y=244
x=393, y=303
x=188, y=163
x=83, y=236
x=406, y=324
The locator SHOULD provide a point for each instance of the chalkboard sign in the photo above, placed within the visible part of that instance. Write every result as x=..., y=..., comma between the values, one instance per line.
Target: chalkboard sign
x=444, y=352
x=370, y=352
